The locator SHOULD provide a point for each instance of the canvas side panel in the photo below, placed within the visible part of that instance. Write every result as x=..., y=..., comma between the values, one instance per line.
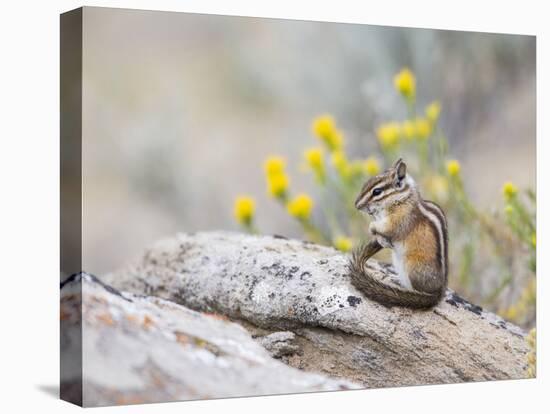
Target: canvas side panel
x=71, y=205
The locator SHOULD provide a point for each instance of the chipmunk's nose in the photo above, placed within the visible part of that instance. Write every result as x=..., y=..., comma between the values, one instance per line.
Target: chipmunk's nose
x=361, y=203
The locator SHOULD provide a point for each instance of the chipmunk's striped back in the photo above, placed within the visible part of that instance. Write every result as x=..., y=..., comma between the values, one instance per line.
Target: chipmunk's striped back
x=434, y=214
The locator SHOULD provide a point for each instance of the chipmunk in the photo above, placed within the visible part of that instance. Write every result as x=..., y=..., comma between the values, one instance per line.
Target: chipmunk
x=415, y=229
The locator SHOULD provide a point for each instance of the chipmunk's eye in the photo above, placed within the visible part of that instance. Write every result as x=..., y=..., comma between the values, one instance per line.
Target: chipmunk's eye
x=376, y=192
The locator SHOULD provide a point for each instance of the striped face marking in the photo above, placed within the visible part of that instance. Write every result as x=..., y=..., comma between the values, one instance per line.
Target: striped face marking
x=392, y=183
x=378, y=189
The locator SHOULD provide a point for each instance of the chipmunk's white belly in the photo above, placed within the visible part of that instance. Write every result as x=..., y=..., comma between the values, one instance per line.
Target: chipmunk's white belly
x=398, y=256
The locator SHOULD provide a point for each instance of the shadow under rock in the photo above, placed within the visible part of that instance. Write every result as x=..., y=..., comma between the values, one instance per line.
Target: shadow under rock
x=51, y=390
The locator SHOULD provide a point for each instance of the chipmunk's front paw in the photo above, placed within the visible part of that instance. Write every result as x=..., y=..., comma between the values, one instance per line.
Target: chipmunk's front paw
x=373, y=230
x=379, y=236
x=384, y=241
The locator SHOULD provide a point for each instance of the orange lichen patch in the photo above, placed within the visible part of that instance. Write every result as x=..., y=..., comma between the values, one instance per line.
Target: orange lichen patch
x=106, y=319
x=182, y=338
x=148, y=322
x=132, y=319
x=157, y=380
x=97, y=299
x=130, y=399
x=216, y=316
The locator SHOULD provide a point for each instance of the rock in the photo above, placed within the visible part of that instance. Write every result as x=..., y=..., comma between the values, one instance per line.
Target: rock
x=271, y=284
x=121, y=348
x=279, y=344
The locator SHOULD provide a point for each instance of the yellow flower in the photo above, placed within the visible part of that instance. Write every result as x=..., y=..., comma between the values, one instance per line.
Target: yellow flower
x=511, y=313
x=408, y=130
x=372, y=167
x=340, y=163
x=438, y=186
x=244, y=209
x=343, y=244
x=324, y=127
x=300, y=207
x=388, y=135
x=277, y=185
x=453, y=168
x=509, y=190
x=405, y=83
x=432, y=111
x=423, y=128
x=534, y=240
x=274, y=166
x=277, y=180
x=314, y=158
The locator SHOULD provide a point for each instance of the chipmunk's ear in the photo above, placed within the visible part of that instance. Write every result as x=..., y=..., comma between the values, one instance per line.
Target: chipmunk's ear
x=400, y=168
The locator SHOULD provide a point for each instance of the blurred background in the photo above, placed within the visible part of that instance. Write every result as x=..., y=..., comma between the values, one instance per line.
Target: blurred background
x=180, y=111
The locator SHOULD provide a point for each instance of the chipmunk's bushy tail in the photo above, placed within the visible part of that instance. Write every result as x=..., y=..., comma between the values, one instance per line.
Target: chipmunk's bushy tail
x=383, y=293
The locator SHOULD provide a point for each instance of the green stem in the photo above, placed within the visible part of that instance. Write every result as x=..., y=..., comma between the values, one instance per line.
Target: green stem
x=498, y=290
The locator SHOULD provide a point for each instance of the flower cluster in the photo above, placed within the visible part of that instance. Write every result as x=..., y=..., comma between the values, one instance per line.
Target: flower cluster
x=244, y=209
x=519, y=216
x=324, y=128
x=391, y=135
x=315, y=161
x=405, y=83
x=332, y=170
x=300, y=207
x=343, y=244
x=521, y=221
x=388, y=135
x=432, y=111
x=276, y=177
x=453, y=168
x=509, y=190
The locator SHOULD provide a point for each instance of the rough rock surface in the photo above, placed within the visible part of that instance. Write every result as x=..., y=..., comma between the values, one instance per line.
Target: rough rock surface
x=279, y=344
x=139, y=349
x=271, y=284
